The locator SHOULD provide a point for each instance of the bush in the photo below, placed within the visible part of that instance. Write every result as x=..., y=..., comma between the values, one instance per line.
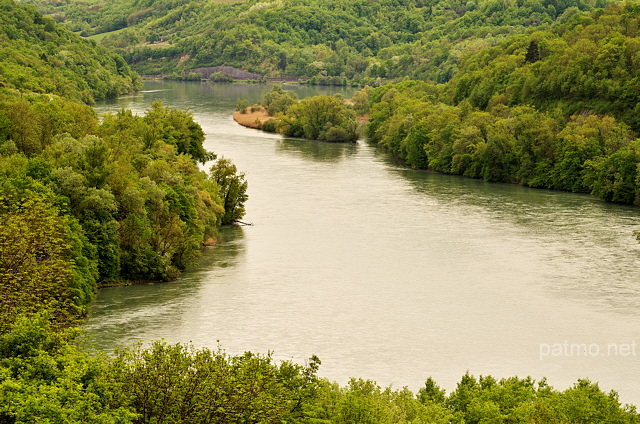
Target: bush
x=242, y=105
x=270, y=125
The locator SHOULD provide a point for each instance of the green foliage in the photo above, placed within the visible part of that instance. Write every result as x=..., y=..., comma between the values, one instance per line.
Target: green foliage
x=551, y=109
x=325, y=118
x=220, y=77
x=520, y=400
x=587, y=62
x=44, y=378
x=278, y=101
x=327, y=41
x=270, y=125
x=242, y=105
x=37, y=55
x=178, y=384
x=232, y=189
x=177, y=128
x=363, y=401
x=129, y=191
x=45, y=260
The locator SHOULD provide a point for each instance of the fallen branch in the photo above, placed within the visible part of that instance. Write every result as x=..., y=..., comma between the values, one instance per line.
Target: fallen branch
x=242, y=223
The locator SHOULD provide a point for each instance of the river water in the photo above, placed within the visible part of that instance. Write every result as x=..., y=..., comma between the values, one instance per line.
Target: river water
x=391, y=274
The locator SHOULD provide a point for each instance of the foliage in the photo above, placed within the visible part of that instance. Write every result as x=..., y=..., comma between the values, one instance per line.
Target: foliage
x=178, y=129
x=326, y=41
x=537, y=110
x=178, y=384
x=44, y=378
x=326, y=118
x=220, y=77
x=45, y=260
x=587, y=62
x=522, y=400
x=37, y=55
x=232, y=189
x=84, y=202
x=278, y=100
x=242, y=105
x=119, y=200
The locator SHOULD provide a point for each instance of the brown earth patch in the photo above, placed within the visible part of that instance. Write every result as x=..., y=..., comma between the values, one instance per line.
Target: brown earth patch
x=251, y=119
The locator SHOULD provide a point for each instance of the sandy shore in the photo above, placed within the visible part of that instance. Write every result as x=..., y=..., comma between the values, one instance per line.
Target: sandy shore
x=251, y=119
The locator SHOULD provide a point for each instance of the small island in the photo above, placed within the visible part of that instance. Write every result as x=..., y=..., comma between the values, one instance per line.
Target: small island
x=325, y=118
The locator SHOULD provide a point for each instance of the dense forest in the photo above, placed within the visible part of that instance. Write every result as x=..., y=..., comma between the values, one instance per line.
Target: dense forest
x=329, y=41
x=38, y=56
x=553, y=109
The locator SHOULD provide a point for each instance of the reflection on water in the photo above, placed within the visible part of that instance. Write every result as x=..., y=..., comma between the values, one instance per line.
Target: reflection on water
x=316, y=151
x=157, y=307
x=389, y=273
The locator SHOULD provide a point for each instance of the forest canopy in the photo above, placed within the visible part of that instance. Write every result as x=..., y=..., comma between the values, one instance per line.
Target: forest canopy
x=39, y=56
x=552, y=109
x=327, y=41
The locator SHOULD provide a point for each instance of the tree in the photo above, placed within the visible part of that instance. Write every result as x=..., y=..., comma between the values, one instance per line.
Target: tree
x=278, y=100
x=232, y=189
x=322, y=118
x=533, y=52
x=178, y=384
x=42, y=262
x=46, y=379
x=177, y=128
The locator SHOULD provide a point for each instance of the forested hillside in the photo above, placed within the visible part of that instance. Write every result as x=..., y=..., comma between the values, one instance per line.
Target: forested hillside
x=363, y=41
x=555, y=109
x=38, y=56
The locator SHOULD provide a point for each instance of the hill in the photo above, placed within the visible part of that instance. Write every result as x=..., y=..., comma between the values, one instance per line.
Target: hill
x=39, y=56
x=333, y=41
x=554, y=109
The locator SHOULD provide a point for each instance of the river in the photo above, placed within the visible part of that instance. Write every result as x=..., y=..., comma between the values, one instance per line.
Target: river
x=391, y=274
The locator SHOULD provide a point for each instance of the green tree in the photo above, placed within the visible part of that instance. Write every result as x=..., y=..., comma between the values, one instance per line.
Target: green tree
x=46, y=379
x=42, y=257
x=178, y=384
x=232, y=189
x=178, y=129
x=322, y=118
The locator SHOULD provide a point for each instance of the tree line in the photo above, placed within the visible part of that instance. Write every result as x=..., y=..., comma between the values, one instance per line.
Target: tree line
x=551, y=109
x=45, y=378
